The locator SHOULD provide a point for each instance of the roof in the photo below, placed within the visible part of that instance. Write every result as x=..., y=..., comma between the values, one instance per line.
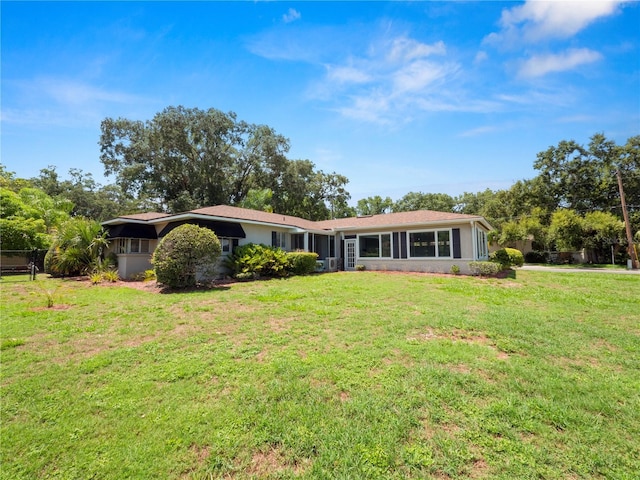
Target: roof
x=417, y=217
x=238, y=213
x=386, y=220
x=145, y=217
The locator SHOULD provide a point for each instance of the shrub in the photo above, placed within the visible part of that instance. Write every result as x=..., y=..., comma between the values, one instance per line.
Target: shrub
x=302, y=263
x=360, y=267
x=95, y=278
x=111, y=275
x=508, y=257
x=535, y=257
x=77, y=248
x=186, y=255
x=484, y=269
x=258, y=261
x=455, y=269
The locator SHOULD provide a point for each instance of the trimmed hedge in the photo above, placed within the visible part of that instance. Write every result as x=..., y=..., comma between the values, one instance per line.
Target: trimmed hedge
x=302, y=263
x=485, y=269
x=508, y=257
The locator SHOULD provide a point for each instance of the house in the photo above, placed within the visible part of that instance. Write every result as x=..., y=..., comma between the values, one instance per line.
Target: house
x=418, y=241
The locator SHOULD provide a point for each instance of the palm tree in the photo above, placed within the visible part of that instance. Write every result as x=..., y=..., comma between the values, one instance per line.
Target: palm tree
x=77, y=248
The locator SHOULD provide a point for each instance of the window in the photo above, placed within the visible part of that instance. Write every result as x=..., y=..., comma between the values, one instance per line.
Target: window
x=225, y=243
x=375, y=246
x=297, y=241
x=481, y=243
x=430, y=244
x=278, y=239
x=132, y=245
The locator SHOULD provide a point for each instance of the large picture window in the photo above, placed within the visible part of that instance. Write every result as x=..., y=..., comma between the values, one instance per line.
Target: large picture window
x=375, y=246
x=430, y=244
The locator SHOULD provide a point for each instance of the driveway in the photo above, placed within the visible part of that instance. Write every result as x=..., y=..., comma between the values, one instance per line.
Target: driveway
x=541, y=268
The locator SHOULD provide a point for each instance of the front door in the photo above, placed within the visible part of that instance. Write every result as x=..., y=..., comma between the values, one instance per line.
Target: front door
x=350, y=257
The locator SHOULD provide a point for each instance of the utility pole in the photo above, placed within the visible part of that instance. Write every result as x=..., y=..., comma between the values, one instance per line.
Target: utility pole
x=625, y=215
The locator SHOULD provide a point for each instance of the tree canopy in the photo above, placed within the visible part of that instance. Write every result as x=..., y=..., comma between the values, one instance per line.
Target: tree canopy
x=186, y=158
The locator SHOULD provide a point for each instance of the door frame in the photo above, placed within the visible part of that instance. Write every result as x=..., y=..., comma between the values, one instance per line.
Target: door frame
x=350, y=254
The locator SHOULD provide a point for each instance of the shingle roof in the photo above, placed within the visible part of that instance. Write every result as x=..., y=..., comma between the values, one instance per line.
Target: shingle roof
x=393, y=219
x=145, y=216
x=399, y=219
x=227, y=211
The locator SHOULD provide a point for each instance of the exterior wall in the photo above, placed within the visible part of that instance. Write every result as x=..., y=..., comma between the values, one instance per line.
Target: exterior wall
x=129, y=264
x=432, y=265
x=412, y=265
x=262, y=234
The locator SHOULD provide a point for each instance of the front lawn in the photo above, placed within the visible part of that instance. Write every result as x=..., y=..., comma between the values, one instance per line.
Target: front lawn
x=345, y=375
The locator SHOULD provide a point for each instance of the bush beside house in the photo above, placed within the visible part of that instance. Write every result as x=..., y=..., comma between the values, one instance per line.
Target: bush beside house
x=186, y=256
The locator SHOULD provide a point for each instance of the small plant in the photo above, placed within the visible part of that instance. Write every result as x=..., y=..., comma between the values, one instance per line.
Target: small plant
x=111, y=276
x=360, y=267
x=49, y=293
x=95, y=278
x=455, y=269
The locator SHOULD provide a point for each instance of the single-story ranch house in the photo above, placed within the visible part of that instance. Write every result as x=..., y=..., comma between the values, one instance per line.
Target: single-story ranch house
x=418, y=241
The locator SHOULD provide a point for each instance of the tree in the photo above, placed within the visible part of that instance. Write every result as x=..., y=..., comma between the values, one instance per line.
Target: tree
x=258, y=200
x=584, y=178
x=473, y=203
x=440, y=202
x=77, y=248
x=186, y=255
x=9, y=180
x=374, y=205
x=28, y=216
x=602, y=231
x=188, y=158
x=89, y=198
x=566, y=230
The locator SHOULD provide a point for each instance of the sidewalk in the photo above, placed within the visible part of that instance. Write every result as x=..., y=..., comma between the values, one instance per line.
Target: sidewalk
x=541, y=268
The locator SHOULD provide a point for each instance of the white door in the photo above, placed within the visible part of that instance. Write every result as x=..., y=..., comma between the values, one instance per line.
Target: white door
x=350, y=257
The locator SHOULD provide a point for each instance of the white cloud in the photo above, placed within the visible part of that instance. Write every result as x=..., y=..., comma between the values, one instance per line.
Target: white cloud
x=539, y=65
x=536, y=21
x=405, y=49
x=64, y=102
x=419, y=75
x=347, y=74
x=291, y=16
x=481, y=57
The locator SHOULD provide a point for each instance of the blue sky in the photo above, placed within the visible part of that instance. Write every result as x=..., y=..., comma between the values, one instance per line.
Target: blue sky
x=420, y=96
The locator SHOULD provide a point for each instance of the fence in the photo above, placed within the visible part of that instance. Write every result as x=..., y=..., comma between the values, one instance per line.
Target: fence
x=21, y=262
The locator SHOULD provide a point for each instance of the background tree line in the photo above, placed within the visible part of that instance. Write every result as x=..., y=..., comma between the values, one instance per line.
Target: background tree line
x=185, y=158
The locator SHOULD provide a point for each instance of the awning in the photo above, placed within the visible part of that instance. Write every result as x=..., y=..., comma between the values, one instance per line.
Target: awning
x=221, y=229
x=132, y=230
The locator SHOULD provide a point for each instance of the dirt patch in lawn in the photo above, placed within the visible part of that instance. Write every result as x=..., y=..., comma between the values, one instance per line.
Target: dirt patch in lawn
x=459, y=336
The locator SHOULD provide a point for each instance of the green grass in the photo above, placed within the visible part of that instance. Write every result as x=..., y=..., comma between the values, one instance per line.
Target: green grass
x=361, y=375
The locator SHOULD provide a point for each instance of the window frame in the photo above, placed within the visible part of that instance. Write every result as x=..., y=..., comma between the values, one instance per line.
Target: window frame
x=125, y=246
x=380, y=245
x=436, y=234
